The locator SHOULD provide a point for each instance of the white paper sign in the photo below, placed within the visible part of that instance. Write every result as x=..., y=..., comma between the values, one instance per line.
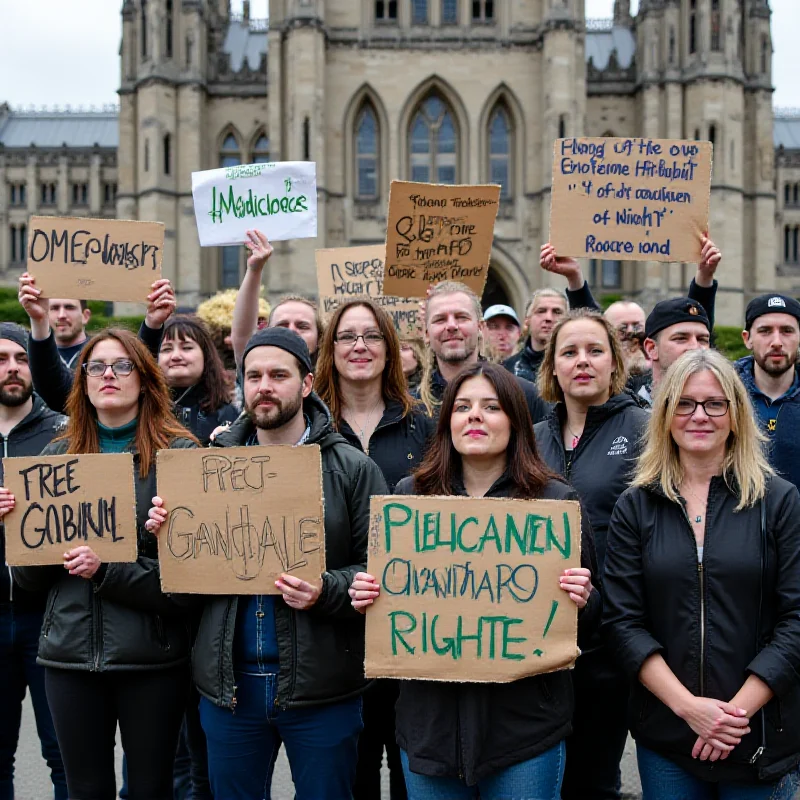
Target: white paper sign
x=279, y=199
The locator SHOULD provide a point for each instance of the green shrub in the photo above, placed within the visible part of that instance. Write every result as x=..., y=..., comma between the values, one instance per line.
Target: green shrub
x=728, y=341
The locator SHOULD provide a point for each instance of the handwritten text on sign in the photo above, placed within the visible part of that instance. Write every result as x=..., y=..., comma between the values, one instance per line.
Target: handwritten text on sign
x=438, y=233
x=63, y=502
x=630, y=199
x=95, y=259
x=469, y=588
x=239, y=517
x=347, y=272
x=279, y=199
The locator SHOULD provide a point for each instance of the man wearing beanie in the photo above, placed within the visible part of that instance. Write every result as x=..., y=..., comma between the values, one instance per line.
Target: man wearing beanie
x=772, y=332
x=673, y=327
x=27, y=425
x=290, y=669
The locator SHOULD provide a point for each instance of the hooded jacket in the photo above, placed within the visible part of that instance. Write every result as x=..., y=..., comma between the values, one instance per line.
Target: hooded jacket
x=321, y=650
x=526, y=363
x=783, y=448
x=186, y=407
x=120, y=619
x=715, y=622
x=602, y=464
x=398, y=443
x=27, y=438
x=470, y=730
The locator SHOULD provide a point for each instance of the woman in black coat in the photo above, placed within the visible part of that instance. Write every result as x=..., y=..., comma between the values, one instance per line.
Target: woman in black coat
x=496, y=740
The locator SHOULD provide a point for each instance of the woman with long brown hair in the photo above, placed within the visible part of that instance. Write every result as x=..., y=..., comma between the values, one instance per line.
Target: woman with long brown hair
x=459, y=740
x=115, y=648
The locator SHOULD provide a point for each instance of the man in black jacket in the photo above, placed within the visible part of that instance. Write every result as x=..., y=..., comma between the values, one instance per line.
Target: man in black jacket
x=27, y=426
x=291, y=666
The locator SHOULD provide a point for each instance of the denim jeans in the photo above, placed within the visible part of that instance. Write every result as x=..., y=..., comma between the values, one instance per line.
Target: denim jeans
x=19, y=645
x=321, y=743
x=664, y=780
x=537, y=778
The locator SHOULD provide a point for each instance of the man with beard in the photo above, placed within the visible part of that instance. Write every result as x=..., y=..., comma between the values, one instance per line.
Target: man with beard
x=772, y=332
x=27, y=425
x=453, y=326
x=291, y=666
x=68, y=319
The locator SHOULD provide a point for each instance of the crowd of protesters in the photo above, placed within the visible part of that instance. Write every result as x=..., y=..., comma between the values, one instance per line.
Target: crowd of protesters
x=686, y=468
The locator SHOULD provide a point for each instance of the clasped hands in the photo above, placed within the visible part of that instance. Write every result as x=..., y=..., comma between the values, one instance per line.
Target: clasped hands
x=719, y=726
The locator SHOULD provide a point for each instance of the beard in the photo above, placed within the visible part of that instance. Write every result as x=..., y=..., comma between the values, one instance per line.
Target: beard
x=278, y=415
x=776, y=370
x=16, y=394
x=461, y=353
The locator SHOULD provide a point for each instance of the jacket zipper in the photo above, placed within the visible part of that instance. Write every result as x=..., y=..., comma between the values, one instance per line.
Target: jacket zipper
x=701, y=579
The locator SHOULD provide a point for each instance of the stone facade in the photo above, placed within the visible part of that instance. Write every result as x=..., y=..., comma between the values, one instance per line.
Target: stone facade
x=448, y=90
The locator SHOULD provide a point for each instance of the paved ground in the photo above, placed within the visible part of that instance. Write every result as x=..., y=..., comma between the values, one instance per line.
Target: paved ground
x=33, y=780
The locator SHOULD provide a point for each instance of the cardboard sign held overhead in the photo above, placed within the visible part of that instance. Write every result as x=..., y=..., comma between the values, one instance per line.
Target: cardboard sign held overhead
x=279, y=199
x=630, y=199
x=347, y=272
x=239, y=517
x=63, y=502
x=469, y=588
x=95, y=259
x=438, y=233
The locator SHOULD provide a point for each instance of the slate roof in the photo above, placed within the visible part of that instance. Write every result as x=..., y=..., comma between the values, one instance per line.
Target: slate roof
x=245, y=43
x=786, y=131
x=601, y=43
x=51, y=129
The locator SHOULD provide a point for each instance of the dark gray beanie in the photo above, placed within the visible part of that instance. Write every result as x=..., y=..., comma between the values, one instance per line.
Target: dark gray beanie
x=279, y=337
x=14, y=333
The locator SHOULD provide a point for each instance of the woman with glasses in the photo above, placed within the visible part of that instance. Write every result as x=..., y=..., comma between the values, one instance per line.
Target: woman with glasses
x=115, y=648
x=496, y=741
x=360, y=378
x=702, y=596
x=591, y=438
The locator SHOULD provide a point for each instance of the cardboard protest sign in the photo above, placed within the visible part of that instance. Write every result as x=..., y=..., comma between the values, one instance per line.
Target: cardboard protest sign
x=630, y=199
x=279, y=199
x=240, y=517
x=63, y=502
x=347, y=272
x=438, y=233
x=95, y=259
x=469, y=588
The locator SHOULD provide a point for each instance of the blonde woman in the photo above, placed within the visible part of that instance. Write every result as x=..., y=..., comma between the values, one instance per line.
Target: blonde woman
x=702, y=596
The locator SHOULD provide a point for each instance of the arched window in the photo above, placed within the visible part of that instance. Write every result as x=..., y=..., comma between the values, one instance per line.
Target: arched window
x=229, y=153
x=787, y=241
x=697, y=134
x=501, y=150
x=449, y=12
x=261, y=150
x=419, y=12
x=386, y=10
x=167, y=154
x=143, y=27
x=716, y=26
x=672, y=45
x=795, y=197
x=787, y=194
x=562, y=126
x=712, y=134
x=367, y=154
x=14, y=244
x=168, y=30
x=693, y=26
x=230, y=156
x=434, y=143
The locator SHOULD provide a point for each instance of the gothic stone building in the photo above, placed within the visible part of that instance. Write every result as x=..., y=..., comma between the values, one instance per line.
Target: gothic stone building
x=448, y=91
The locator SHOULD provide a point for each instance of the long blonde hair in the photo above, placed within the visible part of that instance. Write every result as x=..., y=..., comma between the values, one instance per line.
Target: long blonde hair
x=745, y=467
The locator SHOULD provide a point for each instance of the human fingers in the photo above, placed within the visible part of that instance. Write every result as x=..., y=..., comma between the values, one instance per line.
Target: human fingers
x=157, y=501
x=362, y=594
x=732, y=710
x=725, y=748
x=364, y=576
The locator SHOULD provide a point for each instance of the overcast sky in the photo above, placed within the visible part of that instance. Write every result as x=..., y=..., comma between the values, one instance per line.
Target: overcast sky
x=67, y=51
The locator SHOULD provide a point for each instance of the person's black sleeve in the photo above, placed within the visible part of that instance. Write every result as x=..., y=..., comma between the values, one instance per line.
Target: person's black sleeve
x=152, y=338
x=582, y=298
x=589, y=617
x=52, y=378
x=36, y=579
x=537, y=407
x=706, y=296
x=625, y=616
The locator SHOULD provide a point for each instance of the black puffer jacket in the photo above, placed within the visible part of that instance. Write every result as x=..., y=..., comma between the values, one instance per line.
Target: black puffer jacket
x=602, y=463
x=470, y=730
x=119, y=620
x=526, y=363
x=27, y=438
x=321, y=651
x=714, y=623
x=398, y=443
x=186, y=407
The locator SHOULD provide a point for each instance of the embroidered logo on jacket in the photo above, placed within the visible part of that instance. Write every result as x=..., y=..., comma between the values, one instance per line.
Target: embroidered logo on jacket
x=619, y=447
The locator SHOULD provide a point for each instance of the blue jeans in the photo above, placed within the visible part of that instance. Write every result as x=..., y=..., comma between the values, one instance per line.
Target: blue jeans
x=19, y=645
x=664, y=780
x=537, y=778
x=321, y=743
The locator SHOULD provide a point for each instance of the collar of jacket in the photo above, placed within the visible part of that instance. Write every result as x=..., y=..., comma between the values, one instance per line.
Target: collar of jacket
x=595, y=416
x=322, y=432
x=38, y=413
x=186, y=396
x=392, y=415
x=745, y=367
x=720, y=484
x=502, y=487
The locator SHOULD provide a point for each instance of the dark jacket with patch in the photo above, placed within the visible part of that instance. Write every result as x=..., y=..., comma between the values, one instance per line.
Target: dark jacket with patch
x=27, y=438
x=737, y=614
x=779, y=421
x=471, y=730
x=120, y=619
x=321, y=650
x=398, y=443
x=602, y=464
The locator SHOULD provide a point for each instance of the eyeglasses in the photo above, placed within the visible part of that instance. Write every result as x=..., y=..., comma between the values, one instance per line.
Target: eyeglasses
x=349, y=339
x=713, y=408
x=96, y=369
